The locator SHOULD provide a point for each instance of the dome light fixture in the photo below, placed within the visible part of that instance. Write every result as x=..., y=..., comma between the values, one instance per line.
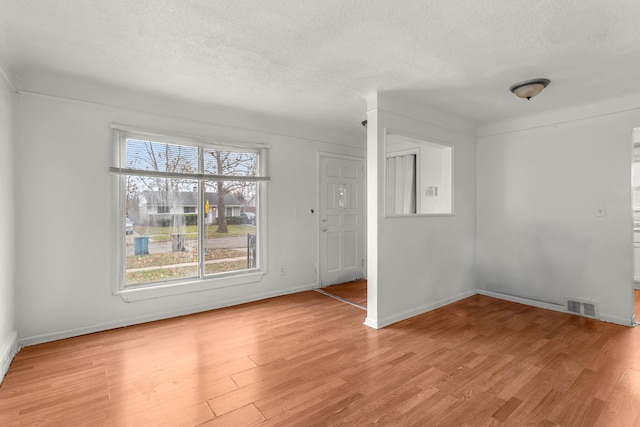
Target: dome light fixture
x=529, y=88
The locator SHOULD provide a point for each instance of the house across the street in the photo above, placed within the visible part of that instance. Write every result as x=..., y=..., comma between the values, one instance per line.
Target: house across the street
x=156, y=206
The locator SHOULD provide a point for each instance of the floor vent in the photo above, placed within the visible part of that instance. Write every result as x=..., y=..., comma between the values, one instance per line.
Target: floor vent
x=583, y=308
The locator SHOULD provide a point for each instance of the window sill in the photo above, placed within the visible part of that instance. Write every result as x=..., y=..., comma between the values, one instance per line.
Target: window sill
x=179, y=288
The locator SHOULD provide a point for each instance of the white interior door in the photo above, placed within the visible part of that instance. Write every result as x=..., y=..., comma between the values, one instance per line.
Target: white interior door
x=341, y=219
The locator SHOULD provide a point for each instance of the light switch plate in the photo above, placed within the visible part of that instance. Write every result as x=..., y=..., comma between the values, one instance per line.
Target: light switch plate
x=601, y=211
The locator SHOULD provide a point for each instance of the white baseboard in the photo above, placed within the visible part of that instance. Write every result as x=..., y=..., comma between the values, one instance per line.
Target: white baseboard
x=68, y=333
x=525, y=301
x=381, y=323
x=371, y=323
x=555, y=307
x=618, y=320
x=8, y=351
x=11, y=348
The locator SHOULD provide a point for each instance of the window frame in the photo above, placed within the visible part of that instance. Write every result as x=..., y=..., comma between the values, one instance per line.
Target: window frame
x=182, y=286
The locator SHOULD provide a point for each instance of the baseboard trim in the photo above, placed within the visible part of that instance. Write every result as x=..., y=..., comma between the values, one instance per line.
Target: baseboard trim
x=618, y=320
x=14, y=344
x=68, y=333
x=418, y=310
x=525, y=301
x=555, y=307
x=371, y=323
x=9, y=350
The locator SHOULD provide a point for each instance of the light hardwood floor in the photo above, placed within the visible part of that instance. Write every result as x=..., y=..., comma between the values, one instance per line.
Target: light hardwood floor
x=306, y=359
x=355, y=292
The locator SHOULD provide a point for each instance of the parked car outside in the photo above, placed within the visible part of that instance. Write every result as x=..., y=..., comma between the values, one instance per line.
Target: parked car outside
x=248, y=217
x=128, y=226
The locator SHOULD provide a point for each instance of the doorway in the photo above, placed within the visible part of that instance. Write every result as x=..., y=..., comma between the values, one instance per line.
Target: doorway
x=354, y=293
x=635, y=201
x=341, y=219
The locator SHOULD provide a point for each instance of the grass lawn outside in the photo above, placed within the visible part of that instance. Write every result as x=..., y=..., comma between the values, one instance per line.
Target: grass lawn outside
x=140, y=268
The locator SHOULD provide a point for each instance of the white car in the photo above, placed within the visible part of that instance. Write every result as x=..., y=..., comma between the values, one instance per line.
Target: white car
x=128, y=226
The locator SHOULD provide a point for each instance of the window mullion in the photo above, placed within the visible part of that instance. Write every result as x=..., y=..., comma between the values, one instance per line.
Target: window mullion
x=202, y=220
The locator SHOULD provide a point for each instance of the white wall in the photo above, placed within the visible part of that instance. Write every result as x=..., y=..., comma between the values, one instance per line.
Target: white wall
x=436, y=172
x=7, y=283
x=539, y=183
x=65, y=248
x=418, y=263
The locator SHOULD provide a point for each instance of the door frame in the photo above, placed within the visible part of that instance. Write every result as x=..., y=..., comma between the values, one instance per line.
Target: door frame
x=362, y=160
x=635, y=134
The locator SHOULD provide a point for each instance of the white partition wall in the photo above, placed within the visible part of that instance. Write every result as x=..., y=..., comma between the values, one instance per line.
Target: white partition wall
x=8, y=342
x=418, y=262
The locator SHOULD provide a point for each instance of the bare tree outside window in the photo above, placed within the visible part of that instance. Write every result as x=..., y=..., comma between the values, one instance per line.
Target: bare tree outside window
x=230, y=163
x=162, y=157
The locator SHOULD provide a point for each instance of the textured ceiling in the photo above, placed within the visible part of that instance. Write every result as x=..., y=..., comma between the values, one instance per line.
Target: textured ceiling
x=319, y=60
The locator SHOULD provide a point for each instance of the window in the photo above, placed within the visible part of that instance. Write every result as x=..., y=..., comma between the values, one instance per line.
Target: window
x=180, y=195
x=418, y=175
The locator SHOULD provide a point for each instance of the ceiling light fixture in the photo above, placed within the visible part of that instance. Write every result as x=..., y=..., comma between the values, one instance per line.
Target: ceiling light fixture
x=529, y=88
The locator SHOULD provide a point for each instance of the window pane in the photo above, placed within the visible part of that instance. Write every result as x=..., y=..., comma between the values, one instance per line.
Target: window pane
x=163, y=244
x=234, y=163
x=160, y=156
x=230, y=226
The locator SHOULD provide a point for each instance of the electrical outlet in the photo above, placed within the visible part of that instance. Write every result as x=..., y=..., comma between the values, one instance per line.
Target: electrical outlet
x=282, y=270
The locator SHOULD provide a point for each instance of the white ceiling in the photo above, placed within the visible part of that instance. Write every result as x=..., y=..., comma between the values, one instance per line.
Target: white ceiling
x=319, y=60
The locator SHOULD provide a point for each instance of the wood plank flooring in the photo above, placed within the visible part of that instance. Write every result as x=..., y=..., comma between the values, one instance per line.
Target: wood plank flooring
x=355, y=291
x=306, y=359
